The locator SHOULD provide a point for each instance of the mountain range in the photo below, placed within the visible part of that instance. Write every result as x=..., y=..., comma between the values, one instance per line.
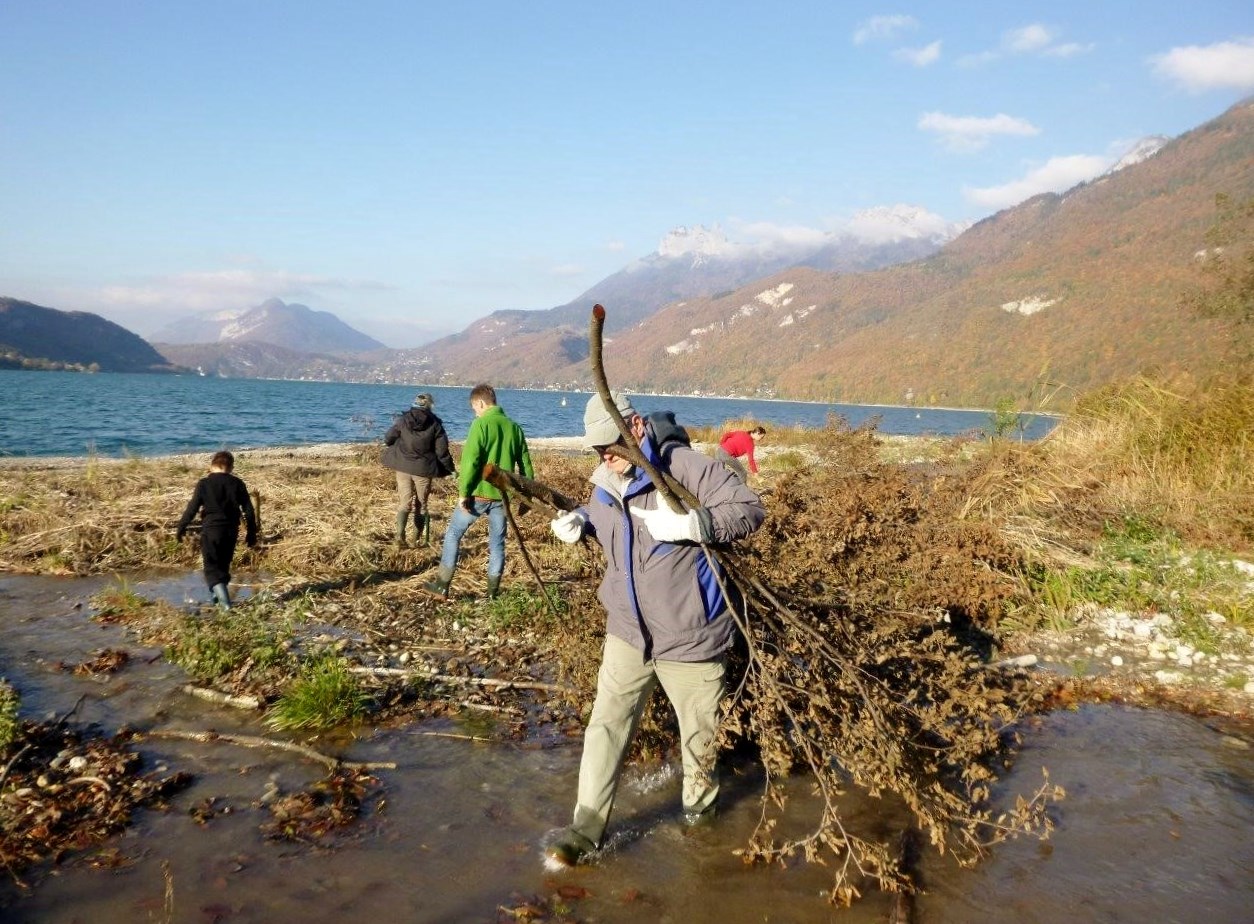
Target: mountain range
x=1063, y=292
x=295, y=327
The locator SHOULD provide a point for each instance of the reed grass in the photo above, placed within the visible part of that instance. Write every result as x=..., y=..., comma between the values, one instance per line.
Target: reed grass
x=1180, y=455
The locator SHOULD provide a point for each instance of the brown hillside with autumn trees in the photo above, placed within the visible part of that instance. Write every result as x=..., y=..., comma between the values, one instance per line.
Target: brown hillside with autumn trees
x=1099, y=273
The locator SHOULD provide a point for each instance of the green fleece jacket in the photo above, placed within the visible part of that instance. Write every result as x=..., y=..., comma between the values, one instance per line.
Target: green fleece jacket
x=494, y=438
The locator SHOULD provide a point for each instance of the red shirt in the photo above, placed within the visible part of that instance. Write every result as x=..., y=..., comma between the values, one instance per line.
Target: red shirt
x=739, y=443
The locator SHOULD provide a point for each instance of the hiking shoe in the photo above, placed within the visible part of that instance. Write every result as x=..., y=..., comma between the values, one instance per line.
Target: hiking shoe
x=568, y=849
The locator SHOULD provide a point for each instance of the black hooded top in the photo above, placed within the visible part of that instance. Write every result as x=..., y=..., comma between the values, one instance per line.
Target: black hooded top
x=418, y=445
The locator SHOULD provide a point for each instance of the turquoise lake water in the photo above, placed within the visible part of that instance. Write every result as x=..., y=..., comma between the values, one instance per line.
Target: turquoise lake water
x=67, y=413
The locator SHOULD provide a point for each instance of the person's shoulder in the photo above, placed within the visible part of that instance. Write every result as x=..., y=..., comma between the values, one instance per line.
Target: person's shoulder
x=679, y=454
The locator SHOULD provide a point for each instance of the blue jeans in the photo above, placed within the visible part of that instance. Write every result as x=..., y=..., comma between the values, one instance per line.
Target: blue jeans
x=460, y=521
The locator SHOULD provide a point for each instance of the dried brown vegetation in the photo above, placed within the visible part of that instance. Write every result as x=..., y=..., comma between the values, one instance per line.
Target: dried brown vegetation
x=65, y=790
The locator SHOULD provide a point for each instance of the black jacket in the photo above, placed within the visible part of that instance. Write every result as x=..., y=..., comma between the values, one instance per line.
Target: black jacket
x=418, y=445
x=221, y=498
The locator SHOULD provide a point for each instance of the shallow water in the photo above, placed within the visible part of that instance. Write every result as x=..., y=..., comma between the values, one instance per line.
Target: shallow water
x=1155, y=826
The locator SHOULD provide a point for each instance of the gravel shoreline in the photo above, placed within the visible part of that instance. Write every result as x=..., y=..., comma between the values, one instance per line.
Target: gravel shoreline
x=311, y=450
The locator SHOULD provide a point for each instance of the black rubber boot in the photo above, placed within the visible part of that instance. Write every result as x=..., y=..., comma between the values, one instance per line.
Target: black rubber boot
x=494, y=587
x=426, y=529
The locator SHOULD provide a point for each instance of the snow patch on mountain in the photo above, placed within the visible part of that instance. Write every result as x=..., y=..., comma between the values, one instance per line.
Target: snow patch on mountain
x=1029, y=306
x=793, y=317
x=683, y=346
x=1143, y=150
x=774, y=298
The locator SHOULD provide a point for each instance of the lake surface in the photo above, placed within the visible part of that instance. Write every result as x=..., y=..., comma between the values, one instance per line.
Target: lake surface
x=113, y=414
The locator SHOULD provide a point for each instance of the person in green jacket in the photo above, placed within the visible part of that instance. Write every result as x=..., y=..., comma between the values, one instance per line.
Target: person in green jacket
x=494, y=438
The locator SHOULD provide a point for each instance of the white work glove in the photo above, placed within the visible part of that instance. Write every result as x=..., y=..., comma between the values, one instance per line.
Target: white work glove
x=667, y=526
x=569, y=526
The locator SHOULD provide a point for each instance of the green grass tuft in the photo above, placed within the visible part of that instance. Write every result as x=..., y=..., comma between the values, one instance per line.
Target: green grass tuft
x=325, y=694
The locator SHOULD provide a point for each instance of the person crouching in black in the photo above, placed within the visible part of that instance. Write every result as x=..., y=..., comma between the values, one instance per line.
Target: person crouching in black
x=220, y=498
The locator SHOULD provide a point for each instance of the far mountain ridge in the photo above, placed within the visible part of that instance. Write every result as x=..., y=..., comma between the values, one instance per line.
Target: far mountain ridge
x=292, y=326
x=690, y=262
x=34, y=336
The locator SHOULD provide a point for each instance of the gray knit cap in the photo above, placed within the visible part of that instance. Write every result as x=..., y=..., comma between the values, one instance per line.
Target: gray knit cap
x=598, y=426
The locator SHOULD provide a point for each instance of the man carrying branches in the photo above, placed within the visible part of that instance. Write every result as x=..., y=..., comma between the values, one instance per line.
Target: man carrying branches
x=667, y=617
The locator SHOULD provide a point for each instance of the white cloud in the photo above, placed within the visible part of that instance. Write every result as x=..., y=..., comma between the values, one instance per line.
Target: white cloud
x=1033, y=39
x=1068, y=50
x=566, y=270
x=880, y=225
x=883, y=27
x=231, y=288
x=768, y=236
x=970, y=133
x=887, y=223
x=1055, y=175
x=920, y=57
x=1223, y=65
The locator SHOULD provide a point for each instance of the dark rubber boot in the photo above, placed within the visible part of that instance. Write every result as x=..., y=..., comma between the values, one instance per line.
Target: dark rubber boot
x=221, y=595
x=441, y=584
x=426, y=529
x=402, y=521
x=494, y=587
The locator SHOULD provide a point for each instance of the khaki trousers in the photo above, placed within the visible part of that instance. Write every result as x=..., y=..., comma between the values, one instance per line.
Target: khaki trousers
x=624, y=683
x=412, y=489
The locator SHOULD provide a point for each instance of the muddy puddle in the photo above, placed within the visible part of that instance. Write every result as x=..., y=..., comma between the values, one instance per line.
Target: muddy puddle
x=1155, y=826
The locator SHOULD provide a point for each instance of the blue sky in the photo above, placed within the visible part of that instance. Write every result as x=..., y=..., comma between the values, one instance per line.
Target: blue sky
x=414, y=166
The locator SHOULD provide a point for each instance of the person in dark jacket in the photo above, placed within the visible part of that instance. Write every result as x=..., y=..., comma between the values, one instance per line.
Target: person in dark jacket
x=220, y=498
x=416, y=448
x=667, y=619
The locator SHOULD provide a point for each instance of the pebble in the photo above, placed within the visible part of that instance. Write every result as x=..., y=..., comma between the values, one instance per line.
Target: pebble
x=78, y=763
x=1117, y=661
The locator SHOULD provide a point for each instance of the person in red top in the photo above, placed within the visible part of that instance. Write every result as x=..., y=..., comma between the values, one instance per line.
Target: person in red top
x=736, y=443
